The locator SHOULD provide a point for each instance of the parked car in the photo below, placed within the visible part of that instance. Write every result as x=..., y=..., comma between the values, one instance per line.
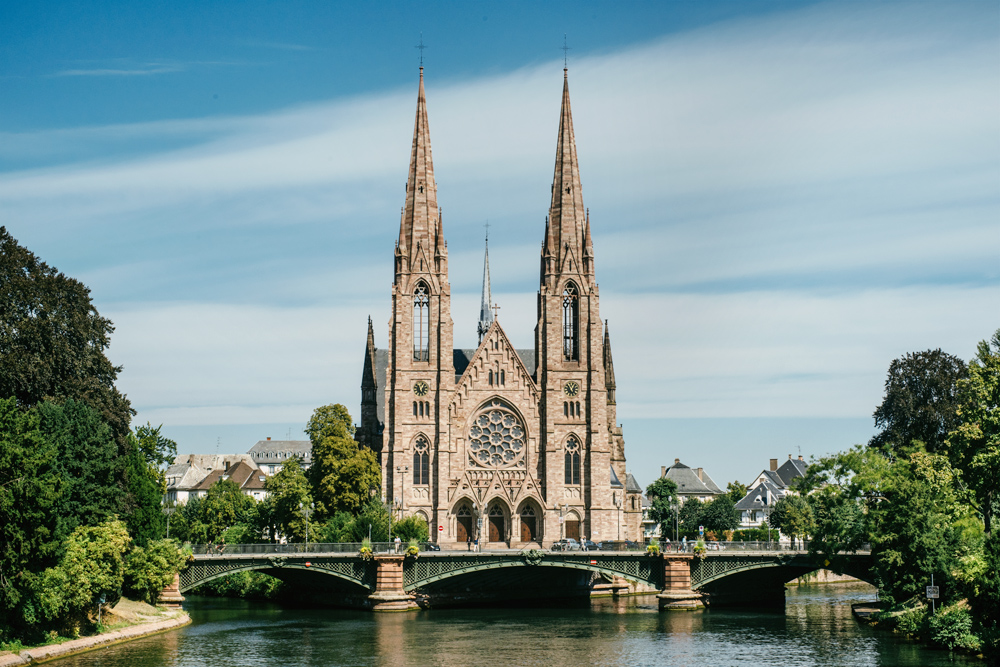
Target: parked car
x=588, y=545
x=566, y=544
x=620, y=545
x=430, y=546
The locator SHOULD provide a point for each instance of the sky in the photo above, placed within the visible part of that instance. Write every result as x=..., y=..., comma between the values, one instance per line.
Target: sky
x=784, y=197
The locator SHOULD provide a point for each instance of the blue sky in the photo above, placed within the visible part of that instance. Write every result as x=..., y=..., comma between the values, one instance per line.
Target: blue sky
x=785, y=196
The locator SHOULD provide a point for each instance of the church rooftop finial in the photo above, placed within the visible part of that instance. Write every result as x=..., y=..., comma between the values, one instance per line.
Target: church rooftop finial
x=485, y=314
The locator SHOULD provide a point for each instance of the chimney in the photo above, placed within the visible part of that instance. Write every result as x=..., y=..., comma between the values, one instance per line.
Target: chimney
x=789, y=457
x=698, y=471
x=800, y=458
x=774, y=464
x=663, y=471
x=676, y=461
x=268, y=437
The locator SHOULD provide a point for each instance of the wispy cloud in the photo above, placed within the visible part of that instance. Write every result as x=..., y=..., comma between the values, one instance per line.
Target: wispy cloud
x=139, y=70
x=780, y=207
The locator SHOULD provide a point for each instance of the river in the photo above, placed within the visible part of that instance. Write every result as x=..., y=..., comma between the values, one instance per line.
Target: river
x=816, y=629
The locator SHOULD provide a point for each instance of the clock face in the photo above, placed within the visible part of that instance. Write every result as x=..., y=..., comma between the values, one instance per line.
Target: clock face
x=421, y=388
x=571, y=388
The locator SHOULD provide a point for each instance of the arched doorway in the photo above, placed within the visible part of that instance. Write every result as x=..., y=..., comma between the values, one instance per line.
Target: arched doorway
x=498, y=525
x=573, y=526
x=529, y=524
x=463, y=523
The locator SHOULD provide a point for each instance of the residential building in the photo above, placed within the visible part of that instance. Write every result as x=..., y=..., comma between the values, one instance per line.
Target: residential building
x=691, y=482
x=269, y=455
x=768, y=488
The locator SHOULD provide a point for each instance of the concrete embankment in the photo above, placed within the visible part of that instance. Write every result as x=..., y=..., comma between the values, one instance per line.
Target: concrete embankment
x=32, y=656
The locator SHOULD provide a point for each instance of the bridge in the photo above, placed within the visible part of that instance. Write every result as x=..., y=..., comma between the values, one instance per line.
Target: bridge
x=384, y=581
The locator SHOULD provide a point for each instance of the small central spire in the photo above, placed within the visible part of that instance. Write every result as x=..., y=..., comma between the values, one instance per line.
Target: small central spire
x=485, y=314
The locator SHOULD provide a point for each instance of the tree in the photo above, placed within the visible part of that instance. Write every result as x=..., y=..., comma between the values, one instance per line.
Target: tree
x=52, y=340
x=662, y=496
x=342, y=473
x=224, y=506
x=975, y=442
x=288, y=494
x=737, y=490
x=150, y=569
x=792, y=515
x=920, y=403
x=145, y=483
x=30, y=487
x=87, y=460
x=413, y=527
x=689, y=517
x=374, y=518
x=720, y=514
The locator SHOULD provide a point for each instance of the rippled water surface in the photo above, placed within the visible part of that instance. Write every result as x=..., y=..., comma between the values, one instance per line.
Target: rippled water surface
x=816, y=628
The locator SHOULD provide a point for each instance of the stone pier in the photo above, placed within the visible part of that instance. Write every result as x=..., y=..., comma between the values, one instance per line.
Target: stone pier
x=170, y=596
x=389, y=594
x=677, y=593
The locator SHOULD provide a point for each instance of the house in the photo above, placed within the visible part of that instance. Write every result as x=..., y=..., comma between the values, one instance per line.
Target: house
x=269, y=455
x=246, y=476
x=691, y=482
x=189, y=470
x=768, y=488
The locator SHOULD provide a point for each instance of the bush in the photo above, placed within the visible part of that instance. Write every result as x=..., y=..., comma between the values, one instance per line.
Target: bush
x=951, y=627
x=413, y=527
x=912, y=622
x=149, y=570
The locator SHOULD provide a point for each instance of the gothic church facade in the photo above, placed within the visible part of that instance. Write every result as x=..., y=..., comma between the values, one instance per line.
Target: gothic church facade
x=510, y=447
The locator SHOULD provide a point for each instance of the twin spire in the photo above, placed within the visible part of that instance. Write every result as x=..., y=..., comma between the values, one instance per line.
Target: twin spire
x=567, y=247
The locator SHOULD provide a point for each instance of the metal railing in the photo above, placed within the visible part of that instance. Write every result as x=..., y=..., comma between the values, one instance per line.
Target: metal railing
x=296, y=548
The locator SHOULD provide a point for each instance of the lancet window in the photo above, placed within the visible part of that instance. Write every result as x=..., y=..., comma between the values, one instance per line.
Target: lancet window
x=572, y=460
x=421, y=461
x=421, y=323
x=571, y=323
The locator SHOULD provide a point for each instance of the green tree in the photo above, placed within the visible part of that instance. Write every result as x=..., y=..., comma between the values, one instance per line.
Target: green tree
x=338, y=528
x=792, y=515
x=52, y=340
x=920, y=403
x=720, y=514
x=413, y=527
x=375, y=519
x=662, y=496
x=150, y=569
x=288, y=494
x=145, y=483
x=224, y=506
x=689, y=517
x=87, y=460
x=975, y=442
x=342, y=473
x=30, y=488
x=737, y=490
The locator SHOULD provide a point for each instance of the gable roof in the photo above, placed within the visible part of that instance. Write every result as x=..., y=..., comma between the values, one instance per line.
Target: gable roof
x=688, y=482
x=281, y=450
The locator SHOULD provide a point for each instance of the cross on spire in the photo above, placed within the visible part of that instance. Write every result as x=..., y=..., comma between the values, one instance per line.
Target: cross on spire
x=421, y=46
x=565, y=49
x=487, y=226
x=496, y=308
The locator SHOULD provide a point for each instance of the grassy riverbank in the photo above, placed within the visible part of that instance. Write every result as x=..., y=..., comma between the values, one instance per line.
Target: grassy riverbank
x=127, y=620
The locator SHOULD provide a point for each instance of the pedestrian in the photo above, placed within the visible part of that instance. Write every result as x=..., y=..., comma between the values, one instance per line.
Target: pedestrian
x=684, y=543
x=468, y=543
x=397, y=542
x=583, y=543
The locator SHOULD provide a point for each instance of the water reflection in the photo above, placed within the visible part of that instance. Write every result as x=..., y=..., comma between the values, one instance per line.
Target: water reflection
x=815, y=629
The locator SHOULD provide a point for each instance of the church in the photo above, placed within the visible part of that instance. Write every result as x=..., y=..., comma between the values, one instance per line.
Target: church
x=513, y=448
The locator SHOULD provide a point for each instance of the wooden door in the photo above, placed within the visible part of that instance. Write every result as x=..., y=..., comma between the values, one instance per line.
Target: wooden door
x=464, y=529
x=496, y=529
x=527, y=528
x=573, y=530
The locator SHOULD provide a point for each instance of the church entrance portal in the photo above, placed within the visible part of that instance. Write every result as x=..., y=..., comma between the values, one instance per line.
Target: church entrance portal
x=497, y=527
x=528, y=526
x=464, y=524
x=573, y=528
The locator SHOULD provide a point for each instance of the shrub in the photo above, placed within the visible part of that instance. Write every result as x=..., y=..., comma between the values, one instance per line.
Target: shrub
x=951, y=627
x=149, y=569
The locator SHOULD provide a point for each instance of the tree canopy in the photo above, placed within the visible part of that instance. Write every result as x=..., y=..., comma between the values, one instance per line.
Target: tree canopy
x=342, y=474
x=662, y=496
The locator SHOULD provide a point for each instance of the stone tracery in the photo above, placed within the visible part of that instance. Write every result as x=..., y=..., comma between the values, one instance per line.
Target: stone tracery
x=497, y=438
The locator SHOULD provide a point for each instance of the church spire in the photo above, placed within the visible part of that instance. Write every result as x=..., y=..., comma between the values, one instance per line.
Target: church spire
x=566, y=231
x=609, y=366
x=420, y=227
x=485, y=313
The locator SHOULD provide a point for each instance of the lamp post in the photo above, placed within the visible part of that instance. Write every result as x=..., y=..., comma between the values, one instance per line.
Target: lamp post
x=401, y=471
x=307, y=512
x=168, y=511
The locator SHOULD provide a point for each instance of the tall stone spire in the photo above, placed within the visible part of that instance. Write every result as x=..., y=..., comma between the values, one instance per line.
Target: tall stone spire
x=609, y=366
x=566, y=240
x=485, y=312
x=420, y=230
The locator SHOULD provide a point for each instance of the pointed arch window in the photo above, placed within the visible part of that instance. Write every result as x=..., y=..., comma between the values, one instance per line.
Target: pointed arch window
x=572, y=460
x=421, y=461
x=421, y=323
x=571, y=323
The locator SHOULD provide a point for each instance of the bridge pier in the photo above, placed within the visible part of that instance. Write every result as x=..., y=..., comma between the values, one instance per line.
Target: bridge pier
x=389, y=594
x=170, y=596
x=677, y=593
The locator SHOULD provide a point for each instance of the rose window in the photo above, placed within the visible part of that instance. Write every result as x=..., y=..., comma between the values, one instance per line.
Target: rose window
x=497, y=438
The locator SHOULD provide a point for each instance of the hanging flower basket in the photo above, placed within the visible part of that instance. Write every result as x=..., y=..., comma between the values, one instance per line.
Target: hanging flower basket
x=366, y=550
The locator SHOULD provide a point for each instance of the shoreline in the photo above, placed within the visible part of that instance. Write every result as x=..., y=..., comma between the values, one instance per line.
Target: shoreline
x=40, y=654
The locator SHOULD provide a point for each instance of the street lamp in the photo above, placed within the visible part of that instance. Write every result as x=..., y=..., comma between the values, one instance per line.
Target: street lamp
x=307, y=512
x=168, y=511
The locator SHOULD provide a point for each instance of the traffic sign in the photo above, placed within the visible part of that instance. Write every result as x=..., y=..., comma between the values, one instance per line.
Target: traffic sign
x=440, y=528
x=933, y=592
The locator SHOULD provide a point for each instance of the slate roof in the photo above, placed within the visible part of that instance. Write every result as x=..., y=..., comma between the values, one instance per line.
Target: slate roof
x=761, y=496
x=244, y=475
x=281, y=450
x=791, y=469
x=615, y=482
x=631, y=485
x=688, y=483
x=461, y=359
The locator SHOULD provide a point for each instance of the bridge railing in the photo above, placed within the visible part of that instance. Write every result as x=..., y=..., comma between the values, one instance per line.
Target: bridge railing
x=296, y=548
x=798, y=546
